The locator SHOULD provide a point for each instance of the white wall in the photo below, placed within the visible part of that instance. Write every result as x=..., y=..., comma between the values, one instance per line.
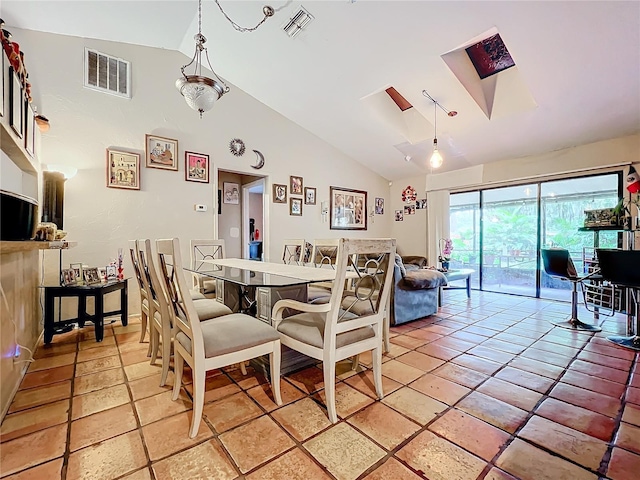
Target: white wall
x=84, y=123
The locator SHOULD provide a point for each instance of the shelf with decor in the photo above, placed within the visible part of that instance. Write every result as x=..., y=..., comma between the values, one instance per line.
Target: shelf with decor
x=26, y=245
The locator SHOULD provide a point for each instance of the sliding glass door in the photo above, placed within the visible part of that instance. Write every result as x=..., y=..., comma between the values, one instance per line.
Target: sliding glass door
x=499, y=232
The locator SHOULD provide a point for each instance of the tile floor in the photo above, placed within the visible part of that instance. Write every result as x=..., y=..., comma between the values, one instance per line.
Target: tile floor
x=487, y=389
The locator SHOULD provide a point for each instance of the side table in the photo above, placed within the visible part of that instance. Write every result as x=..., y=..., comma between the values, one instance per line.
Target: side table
x=461, y=274
x=97, y=291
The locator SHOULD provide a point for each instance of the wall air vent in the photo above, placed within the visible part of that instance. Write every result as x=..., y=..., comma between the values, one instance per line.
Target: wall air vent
x=107, y=74
x=298, y=21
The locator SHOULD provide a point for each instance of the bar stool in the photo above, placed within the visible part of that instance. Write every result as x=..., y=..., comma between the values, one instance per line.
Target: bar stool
x=622, y=268
x=558, y=263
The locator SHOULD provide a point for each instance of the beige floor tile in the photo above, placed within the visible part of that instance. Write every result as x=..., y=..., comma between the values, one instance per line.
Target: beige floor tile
x=99, y=352
x=119, y=329
x=109, y=459
x=414, y=405
x=250, y=380
x=246, y=443
x=420, y=361
x=264, y=396
x=302, y=419
x=207, y=460
x=348, y=400
x=384, y=425
x=171, y=434
x=461, y=375
x=149, y=386
x=497, y=474
x=530, y=463
x=440, y=459
x=623, y=465
x=54, y=349
x=99, y=401
x=142, y=369
x=510, y=393
x=330, y=446
x=216, y=387
x=495, y=412
x=631, y=414
x=468, y=432
x=629, y=437
x=138, y=356
x=98, y=381
x=308, y=380
x=231, y=411
x=293, y=465
x=101, y=426
x=571, y=444
x=28, y=421
x=50, y=471
x=97, y=365
x=392, y=469
x=89, y=344
x=364, y=383
x=133, y=347
x=47, y=377
x=127, y=337
x=52, y=362
x=43, y=445
x=440, y=388
x=143, y=474
x=39, y=396
x=160, y=406
x=401, y=372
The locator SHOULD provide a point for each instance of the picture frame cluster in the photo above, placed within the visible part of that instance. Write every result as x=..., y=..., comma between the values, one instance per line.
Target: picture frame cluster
x=307, y=195
x=79, y=274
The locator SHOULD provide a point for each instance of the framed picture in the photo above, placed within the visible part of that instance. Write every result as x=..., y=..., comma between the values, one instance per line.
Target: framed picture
x=279, y=193
x=296, y=185
x=16, y=103
x=29, y=129
x=68, y=277
x=91, y=276
x=102, y=273
x=77, y=269
x=295, y=206
x=123, y=170
x=161, y=152
x=112, y=272
x=421, y=204
x=309, y=195
x=379, y=206
x=399, y=216
x=231, y=193
x=348, y=209
x=409, y=209
x=196, y=167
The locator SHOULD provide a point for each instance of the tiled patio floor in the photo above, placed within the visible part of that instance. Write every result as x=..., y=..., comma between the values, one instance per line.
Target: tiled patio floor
x=487, y=389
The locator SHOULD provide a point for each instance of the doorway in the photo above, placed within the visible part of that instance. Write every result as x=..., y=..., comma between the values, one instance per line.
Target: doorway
x=253, y=220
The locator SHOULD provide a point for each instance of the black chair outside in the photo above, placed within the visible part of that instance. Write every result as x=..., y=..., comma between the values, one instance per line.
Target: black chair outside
x=622, y=268
x=557, y=263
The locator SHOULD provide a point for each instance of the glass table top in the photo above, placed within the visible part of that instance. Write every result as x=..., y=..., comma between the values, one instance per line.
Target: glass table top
x=246, y=277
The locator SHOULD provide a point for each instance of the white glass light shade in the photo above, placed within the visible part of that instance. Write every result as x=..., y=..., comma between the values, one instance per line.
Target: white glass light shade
x=436, y=158
x=200, y=93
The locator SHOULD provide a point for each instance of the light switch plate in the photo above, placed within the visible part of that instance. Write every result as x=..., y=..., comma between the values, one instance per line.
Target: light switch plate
x=200, y=208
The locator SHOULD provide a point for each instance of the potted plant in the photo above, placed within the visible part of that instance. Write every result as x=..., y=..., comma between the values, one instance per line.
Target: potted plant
x=446, y=247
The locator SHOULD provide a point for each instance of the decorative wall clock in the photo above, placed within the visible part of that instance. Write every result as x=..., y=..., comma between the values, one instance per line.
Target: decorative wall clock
x=236, y=146
x=409, y=195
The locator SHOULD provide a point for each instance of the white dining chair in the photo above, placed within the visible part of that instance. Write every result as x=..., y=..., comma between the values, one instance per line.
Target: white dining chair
x=201, y=251
x=144, y=295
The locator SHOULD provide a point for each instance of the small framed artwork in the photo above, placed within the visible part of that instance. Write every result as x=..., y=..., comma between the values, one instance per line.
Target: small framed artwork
x=161, y=152
x=295, y=206
x=379, y=206
x=68, y=277
x=102, y=273
x=421, y=204
x=231, y=193
x=279, y=193
x=348, y=209
x=16, y=103
x=29, y=129
x=77, y=268
x=196, y=167
x=309, y=195
x=296, y=185
x=112, y=272
x=123, y=170
x=409, y=209
x=91, y=276
x=399, y=216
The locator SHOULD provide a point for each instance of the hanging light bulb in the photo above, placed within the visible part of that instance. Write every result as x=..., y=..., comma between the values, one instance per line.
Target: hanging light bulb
x=436, y=159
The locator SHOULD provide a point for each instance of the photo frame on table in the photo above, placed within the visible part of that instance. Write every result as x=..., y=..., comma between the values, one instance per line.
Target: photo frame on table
x=161, y=152
x=379, y=208
x=77, y=269
x=123, y=169
x=231, y=193
x=309, y=195
x=112, y=272
x=348, y=209
x=16, y=104
x=196, y=167
x=29, y=127
x=295, y=185
x=91, y=276
x=102, y=273
x=68, y=277
x=279, y=193
x=295, y=206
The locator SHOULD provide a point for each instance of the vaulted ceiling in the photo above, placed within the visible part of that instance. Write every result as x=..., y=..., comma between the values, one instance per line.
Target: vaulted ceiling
x=576, y=79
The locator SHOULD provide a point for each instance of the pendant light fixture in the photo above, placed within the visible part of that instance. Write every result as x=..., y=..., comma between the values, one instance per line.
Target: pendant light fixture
x=436, y=159
x=199, y=91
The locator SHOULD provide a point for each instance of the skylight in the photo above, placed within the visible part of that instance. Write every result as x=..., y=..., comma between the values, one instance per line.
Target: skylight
x=490, y=56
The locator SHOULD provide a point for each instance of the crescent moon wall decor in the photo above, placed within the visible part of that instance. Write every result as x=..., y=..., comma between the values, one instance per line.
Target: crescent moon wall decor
x=260, y=159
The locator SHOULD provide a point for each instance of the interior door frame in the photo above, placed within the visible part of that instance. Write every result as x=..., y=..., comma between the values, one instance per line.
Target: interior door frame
x=245, y=218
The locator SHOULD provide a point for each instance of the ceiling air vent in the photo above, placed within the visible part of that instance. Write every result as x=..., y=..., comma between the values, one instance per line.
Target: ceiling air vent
x=297, y=22
x=107, y=74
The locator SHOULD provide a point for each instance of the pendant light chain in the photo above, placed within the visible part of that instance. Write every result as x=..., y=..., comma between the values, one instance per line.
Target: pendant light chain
x=266, y=10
